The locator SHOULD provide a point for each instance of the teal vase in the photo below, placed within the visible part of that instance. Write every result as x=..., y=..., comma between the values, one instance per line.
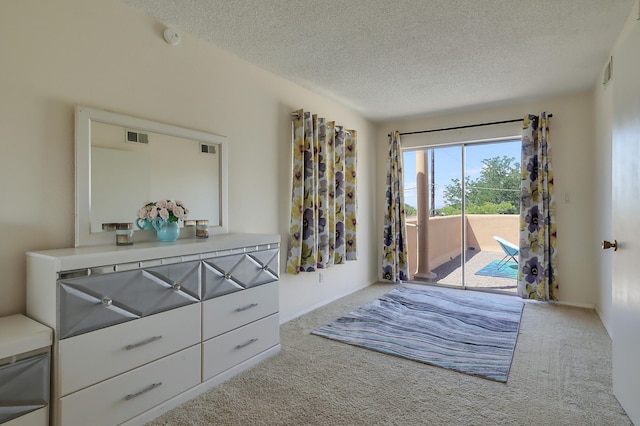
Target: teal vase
x=143, y=223
x=167, y=231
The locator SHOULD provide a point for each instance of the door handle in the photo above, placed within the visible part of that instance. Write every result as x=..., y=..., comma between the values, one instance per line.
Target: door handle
x=607, y=245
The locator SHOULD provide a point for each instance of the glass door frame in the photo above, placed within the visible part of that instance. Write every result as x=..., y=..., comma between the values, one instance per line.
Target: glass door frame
x=463, y=231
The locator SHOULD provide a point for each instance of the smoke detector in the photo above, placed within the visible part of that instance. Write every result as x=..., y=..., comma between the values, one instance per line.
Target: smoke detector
x=171, y=36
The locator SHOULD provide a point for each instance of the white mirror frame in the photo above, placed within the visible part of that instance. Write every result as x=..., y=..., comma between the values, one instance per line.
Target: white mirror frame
x=84, y=117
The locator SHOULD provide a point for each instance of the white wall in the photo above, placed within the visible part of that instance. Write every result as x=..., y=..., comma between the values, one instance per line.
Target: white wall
x=572, y=142
x=603, y=118
x=103, y=54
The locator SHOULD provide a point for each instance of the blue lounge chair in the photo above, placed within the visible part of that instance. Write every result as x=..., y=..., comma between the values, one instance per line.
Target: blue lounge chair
x=510, y=251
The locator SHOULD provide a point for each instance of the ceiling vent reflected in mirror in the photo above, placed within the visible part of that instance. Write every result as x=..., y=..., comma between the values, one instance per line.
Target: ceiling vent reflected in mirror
x=136, y=137
x=207, y=149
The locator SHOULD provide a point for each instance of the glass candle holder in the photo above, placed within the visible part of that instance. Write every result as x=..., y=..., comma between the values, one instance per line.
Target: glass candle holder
x=202, y=229
x=108, y=227
x=124, y=234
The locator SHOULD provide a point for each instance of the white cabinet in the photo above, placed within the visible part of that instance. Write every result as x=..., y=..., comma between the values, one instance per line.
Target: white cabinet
x=140, y=329
x=24, y=371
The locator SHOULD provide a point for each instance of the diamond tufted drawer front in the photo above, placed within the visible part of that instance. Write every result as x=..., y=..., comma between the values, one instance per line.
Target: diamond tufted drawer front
x=24, y=387
x=227, y=274
x=116, y=400
x=228, y=312
x=94, y=302
x=265, y=269
x=234, y=347
x=93, y=357
x=186, y=275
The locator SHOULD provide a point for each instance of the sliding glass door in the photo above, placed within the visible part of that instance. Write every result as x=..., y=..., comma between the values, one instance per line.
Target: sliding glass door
x=434, y=225
x=462, y=231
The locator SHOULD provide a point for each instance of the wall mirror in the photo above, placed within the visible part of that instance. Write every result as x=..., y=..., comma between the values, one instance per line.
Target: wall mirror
x=123, y=162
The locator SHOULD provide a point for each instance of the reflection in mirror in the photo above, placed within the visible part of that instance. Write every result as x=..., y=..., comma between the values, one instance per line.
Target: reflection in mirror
x=124, y=162
x=151, y=167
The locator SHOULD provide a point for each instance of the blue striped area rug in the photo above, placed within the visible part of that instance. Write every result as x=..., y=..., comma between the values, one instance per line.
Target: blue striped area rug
x=471, y=333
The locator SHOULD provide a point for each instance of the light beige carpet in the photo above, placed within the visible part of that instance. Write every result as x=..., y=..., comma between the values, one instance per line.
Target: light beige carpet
x=560, y=375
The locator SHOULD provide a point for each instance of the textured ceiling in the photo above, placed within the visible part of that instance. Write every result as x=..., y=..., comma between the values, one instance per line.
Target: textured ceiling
x=405, y=58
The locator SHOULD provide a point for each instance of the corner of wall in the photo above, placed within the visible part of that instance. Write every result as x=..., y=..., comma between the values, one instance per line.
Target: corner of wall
x=604, y=320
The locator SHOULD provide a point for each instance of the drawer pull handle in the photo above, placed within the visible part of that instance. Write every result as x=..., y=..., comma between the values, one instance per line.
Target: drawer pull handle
x=244, y=308
x=227, y=276
x=144, y=342
x=107, y=301
x=176, y=286
x=247, y=343
x=145, y=390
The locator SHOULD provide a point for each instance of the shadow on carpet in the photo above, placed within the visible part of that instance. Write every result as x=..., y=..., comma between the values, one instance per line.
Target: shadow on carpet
x=454, y=329
x=504, y=270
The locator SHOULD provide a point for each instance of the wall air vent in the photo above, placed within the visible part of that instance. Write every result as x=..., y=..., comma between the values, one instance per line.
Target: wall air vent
x=136, y=137
x=608, y=71
x=207, y=149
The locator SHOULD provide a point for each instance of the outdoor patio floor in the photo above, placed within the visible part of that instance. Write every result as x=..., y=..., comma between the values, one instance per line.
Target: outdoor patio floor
x=450, y=273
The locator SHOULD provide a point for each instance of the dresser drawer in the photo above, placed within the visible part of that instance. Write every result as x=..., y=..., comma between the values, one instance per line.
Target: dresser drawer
x=231, y=311
x=24, y=387
x=225, y=351
x=123, y=397
x=227, y=274
x=99, y=301
x=99, y=355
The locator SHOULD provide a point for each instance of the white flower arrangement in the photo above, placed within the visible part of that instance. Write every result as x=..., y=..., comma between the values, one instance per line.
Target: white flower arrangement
x=168, y=210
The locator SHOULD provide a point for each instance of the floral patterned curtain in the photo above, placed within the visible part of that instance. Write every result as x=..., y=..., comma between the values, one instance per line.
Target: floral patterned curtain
x=350, y=187
x=322, y=230
x=395, y=266
x=537, y=277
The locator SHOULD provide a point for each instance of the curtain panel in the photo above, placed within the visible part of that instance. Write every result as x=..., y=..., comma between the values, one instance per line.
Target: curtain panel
x=538, y=271
x=395, y=265
x=323, y=224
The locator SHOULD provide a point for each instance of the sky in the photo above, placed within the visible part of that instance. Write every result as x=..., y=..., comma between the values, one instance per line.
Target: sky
x=448, y=165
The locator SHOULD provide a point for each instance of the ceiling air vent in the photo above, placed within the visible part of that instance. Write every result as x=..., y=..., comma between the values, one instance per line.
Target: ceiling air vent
x=136, y=137
x=207, y=149
x=608, y=71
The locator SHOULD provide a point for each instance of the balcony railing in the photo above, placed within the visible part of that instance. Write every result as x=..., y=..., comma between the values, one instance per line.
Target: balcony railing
x=445, y=247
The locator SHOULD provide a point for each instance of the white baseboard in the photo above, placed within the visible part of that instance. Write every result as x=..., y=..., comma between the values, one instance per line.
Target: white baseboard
x=575, y=305
x=319, y=305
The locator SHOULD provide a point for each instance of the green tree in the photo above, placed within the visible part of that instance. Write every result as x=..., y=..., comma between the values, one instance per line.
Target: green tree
x=409, y=210
x=453, y=193
x=499, y=182
x=495, y=191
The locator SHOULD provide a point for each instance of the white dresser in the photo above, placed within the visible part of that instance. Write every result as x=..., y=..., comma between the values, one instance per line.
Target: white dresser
x=24, y=371
x=140, y=329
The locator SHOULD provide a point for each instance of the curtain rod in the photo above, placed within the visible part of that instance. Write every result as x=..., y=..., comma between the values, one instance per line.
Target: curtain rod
x=296, y=115
x=465, y=127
